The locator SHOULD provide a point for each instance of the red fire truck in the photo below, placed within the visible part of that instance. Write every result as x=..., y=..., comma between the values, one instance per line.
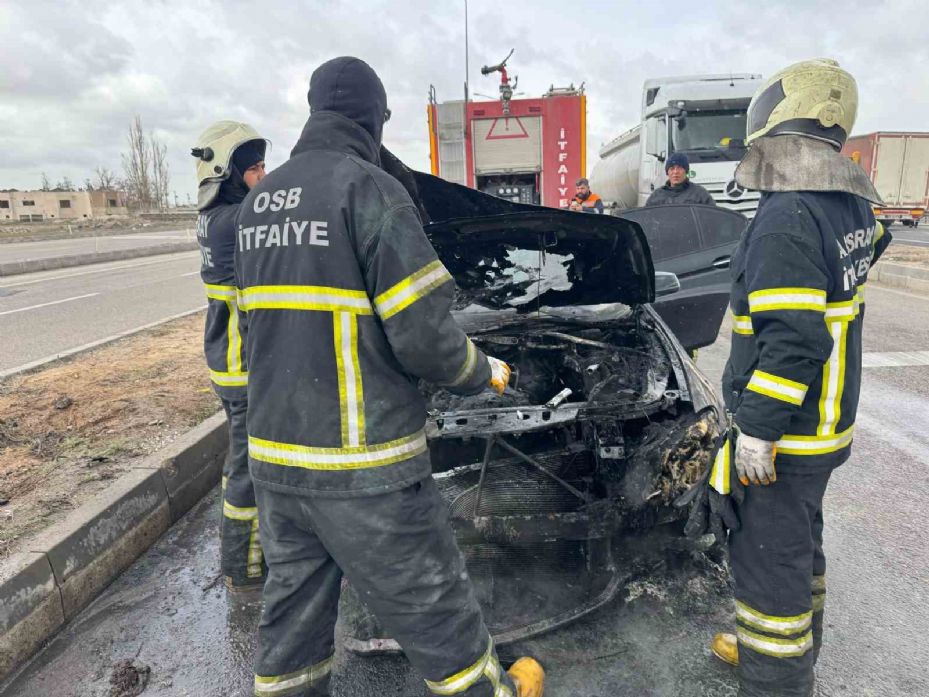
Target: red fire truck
x=523, y=150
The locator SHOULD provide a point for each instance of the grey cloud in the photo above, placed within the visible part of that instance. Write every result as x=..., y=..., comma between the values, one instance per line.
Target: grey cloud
x=73, y=74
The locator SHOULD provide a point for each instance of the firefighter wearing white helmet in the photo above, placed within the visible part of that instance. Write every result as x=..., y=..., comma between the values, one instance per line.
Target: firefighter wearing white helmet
x=794, y=372
x=230, y=161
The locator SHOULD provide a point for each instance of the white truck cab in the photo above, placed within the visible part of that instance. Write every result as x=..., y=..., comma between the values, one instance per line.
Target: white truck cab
x=702, y=116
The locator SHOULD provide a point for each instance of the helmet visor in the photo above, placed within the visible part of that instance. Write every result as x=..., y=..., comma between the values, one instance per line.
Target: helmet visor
x=762, y=106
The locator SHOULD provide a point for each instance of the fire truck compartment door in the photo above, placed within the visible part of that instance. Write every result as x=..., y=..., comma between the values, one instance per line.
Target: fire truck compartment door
x=507, y=144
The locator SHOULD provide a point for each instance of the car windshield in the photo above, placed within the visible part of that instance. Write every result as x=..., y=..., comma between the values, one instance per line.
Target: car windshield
x=711, y=135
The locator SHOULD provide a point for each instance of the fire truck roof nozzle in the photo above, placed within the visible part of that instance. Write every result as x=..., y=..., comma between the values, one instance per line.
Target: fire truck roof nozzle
x=488, y=69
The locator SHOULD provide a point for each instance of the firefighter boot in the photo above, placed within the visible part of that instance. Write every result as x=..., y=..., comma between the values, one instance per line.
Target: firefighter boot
x=726, y=648
x=528, y=676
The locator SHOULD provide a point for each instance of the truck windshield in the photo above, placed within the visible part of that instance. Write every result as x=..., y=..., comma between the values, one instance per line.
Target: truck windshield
x=710, y=135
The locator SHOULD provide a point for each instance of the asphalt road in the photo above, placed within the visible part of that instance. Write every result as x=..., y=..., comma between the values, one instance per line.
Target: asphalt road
x=47, y=249
x=169, y=612
x=45, y=313
x=916, y=237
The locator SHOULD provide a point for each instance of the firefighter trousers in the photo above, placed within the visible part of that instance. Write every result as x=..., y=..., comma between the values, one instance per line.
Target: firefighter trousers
x=241, y=558
x=399, y=553
x=780, y=584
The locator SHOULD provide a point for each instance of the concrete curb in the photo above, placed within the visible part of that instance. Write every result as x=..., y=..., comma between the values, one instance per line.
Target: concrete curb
x=12, y=268
x=73, y=561
x=897, y=275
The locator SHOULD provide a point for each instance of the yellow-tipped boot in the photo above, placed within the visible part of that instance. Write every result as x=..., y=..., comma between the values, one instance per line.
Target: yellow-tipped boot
x=726, y=648
x=528, y=676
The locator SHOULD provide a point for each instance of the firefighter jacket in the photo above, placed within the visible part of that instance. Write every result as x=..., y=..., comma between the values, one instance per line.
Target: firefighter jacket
x=685, y=192
x=592, y=204
x=798, y=296
x=222, y=340
x=346, y=305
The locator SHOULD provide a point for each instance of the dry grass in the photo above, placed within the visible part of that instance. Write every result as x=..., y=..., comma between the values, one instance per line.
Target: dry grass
x=69, y=428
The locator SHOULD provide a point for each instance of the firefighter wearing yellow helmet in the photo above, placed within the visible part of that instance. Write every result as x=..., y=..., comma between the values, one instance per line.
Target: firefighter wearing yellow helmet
x=793, y=376
x=229, y=161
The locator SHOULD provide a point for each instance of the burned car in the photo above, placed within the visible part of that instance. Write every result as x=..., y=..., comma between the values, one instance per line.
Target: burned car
x=605, y=422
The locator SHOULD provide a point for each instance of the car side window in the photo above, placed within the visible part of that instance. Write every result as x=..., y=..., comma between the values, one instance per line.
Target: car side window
x=679, y=240
x=722, y=234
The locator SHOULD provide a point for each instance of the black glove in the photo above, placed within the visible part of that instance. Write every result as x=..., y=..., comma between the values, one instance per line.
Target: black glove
x=710, y=511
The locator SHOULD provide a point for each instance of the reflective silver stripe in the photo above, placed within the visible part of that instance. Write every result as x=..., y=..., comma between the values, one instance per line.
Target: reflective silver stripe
x=814, y=445
x=238, y=513
x=779, y=648
x=777, y=387
x=320, y=298
x=719, y=477
x=467, y=370
x=218, y=292
x=229, y=379
x=412, y=288
x=787, y=299
x=292, y=455
x=742, y=325
x=771, y=623
x=271, y=685
x=459, y=682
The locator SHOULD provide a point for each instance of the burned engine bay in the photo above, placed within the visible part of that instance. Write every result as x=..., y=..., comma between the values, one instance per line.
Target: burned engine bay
x=551, y=485
x=560, y=490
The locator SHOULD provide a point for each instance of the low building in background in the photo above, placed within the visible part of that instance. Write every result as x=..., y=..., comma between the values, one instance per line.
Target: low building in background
x=35, y=206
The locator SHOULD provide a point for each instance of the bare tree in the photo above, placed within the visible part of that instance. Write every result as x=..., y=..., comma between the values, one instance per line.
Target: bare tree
x=46, y=184
x=137, y=167
x=146, y=169
x=105, y=179
x=160, y=177
x=88, y=185
x=65, y=184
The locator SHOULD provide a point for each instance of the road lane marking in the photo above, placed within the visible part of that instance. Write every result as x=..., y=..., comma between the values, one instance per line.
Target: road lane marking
x=894, y=359
x=93, y=271
x=53, y=302
x=148, y=237
x=32, y=365
x=192, y=273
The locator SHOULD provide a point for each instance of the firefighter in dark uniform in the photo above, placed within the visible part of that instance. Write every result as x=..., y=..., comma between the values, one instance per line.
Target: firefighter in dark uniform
x=230, y=161
x=346, y=306
x=793, y=377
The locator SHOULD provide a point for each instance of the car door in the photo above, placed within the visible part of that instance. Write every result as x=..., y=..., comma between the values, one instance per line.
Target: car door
x=694, y=242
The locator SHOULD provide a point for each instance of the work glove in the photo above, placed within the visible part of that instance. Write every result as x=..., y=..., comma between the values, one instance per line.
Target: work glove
x=499, y=374
x=713, y=511
x=754, y=460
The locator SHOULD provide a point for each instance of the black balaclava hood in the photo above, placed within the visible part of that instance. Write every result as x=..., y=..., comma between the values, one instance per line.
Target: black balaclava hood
x=350, y=87
x=234, y=189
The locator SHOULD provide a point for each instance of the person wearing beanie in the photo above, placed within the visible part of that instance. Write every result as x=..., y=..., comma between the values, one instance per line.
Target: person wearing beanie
x=348, y=307
x=230, y=161
x=679, y=188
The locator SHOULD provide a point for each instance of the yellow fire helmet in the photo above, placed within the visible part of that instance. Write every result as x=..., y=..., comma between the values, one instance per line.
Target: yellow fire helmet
x=213, y=151
x=814, y=98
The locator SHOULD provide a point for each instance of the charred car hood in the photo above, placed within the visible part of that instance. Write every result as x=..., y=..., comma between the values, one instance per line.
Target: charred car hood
x=507, y=255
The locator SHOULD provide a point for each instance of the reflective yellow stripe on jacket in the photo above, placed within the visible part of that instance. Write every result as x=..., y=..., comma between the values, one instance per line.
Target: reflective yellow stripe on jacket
x=777, y=387
x=787, y=299
x=415, y=286
x=233, y=376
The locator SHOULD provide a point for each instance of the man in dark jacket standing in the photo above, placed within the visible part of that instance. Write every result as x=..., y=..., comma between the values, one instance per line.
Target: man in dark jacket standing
x=794, y=372
x=679, y=188
x=346, y=306
x=230, y=161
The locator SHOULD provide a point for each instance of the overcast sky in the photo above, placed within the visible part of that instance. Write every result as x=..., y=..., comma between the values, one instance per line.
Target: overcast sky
x=73, y=74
